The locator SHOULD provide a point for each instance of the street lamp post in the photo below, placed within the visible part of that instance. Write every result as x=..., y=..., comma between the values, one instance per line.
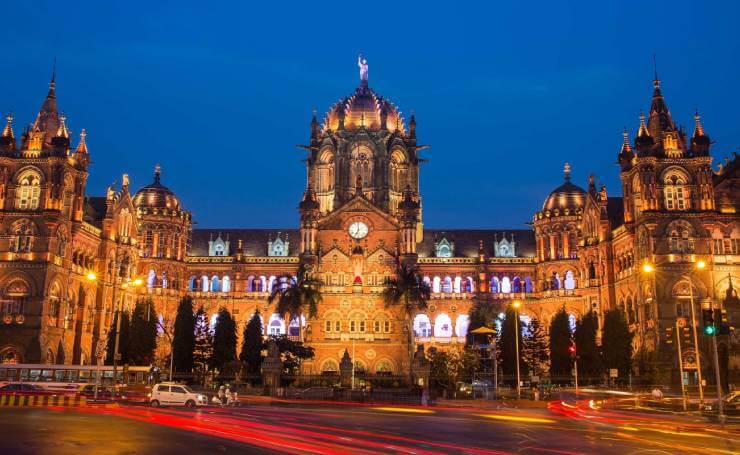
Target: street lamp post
x=680, y=366
x=516, y=304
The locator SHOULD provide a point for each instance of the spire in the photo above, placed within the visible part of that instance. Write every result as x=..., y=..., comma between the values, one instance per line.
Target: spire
x=412, y=125
x=314, y=125
x=659, y=119
x=82, y=146
x=309, y=201
x=62, y=131
x=643, y=131
x=47, y=120
x=8, y=130
x=700, y=142
x=626, y=148
x=698, y=129
x=157, y=172
x=566, y=171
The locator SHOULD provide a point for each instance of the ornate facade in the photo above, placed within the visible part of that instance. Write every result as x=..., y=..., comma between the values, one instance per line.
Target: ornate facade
x=361, y=215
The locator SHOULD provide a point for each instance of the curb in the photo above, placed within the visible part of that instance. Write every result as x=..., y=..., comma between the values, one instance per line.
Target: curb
x=41, y=401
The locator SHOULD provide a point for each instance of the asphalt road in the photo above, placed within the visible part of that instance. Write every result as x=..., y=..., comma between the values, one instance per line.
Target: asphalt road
x=372, y=429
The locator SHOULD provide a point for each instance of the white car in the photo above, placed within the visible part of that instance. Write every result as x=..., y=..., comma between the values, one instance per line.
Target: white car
x=173, y=394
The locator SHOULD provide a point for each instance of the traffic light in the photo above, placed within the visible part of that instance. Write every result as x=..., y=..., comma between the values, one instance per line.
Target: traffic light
x=707, y=317
x=572, y=348
x=724, y=326
x=669, y=335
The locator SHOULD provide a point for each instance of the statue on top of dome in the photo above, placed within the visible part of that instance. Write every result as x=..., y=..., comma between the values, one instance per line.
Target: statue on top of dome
x=362, y=63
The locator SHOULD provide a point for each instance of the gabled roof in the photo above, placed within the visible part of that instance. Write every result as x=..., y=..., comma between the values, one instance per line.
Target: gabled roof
x=467, y=241
x=254, y=241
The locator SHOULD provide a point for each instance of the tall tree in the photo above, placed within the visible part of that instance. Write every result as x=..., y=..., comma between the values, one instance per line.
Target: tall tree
x=183, y=343
x=561, y=359
x=536, y=351
x=122, y=340
x=224, y=340
x=589, y=359
x=616, y=343
x=142, y=339
x=203, y=342
x=507, y=347
x=251, y=352
x=296, y=296
x=408, y=291
x=293, y=353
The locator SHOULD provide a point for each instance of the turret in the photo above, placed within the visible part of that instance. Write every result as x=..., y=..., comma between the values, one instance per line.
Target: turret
x=309, y=208
x=700, y=141
x=7, y=140
x=408, y=214
x=626, y=155
x=644, y=141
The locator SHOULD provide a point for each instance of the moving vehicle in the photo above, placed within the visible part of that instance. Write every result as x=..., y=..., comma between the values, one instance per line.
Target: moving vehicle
x=174, y=394
x=69, y=378
x=28, y=389
x=104, y=393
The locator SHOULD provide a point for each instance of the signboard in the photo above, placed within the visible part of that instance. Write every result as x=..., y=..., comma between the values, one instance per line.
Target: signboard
x=613, y=373
x=689, y=359
x=535, y=379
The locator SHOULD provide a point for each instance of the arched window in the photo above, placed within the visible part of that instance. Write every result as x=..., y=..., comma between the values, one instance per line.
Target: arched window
x=443, y=326
x=330, y=367
x=436, y=284
x=422, y=326
x=151, y=279
x=275, y=325
x=447, y=285
x=165, y=281
x=23, y=235
x=528, y=285
x=570, y=281
x=10, y=355
x=495, y=288
x=204, y=284
x=384, y=367
x=271, y=283
x=467, y=285
x=215, y=284
x=676, y=190
x=555, y=281
x=572, y=322
x=226, y=284
x=516, y=284
x=505, y=285
x=461, y=325
x=362, y=165
x=357, y=321
x=679, y=237
x=456, y=285
x=28, y=194
x=193, y=283
x=61, y=244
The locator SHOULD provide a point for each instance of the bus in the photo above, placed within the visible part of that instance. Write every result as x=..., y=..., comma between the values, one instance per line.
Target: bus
x=69, y=378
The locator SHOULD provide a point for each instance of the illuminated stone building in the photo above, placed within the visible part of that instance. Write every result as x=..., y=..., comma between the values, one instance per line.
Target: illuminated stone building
x=360, y=215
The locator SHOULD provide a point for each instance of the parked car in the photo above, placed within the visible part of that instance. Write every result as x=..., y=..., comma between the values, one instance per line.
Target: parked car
x=173, y=394
x=730, y=404
x=104, y=393
x=20, y=388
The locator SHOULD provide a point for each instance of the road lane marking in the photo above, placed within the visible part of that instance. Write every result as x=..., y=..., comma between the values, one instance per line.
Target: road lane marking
x=516, y=418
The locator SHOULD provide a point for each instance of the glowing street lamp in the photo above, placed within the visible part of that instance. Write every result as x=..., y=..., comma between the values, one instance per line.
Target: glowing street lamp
x=91, y=276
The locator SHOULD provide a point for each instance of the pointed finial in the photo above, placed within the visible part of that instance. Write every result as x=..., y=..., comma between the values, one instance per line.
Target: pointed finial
x=62, y=131
x=643, y=131
x=8, y=130
x=82, y=146
x=124, y=181
x=53, y=82
x=656, y=81
x=698, y=129
x=626, y=147
x=157, y=172
x=566, y=171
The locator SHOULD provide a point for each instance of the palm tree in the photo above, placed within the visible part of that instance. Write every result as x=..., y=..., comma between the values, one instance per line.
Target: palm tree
x=409, y=292
x=296, y=295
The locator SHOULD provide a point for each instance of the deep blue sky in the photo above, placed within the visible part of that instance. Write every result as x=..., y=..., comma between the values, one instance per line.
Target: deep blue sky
x=219, y=93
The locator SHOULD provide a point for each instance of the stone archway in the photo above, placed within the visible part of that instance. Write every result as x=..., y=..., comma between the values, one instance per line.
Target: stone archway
x=60, y=358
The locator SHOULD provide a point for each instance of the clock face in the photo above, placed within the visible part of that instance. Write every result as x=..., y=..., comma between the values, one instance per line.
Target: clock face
x=358, y=230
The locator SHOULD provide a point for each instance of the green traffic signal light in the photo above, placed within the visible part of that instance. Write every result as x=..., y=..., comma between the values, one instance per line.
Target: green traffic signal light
x=710, y=330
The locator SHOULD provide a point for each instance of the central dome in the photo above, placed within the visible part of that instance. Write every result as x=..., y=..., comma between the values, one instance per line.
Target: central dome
x=364, y=109
x=156, y=195
x=566, y=196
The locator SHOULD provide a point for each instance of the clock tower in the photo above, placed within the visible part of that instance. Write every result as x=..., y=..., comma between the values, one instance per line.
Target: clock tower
x=363, y=174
